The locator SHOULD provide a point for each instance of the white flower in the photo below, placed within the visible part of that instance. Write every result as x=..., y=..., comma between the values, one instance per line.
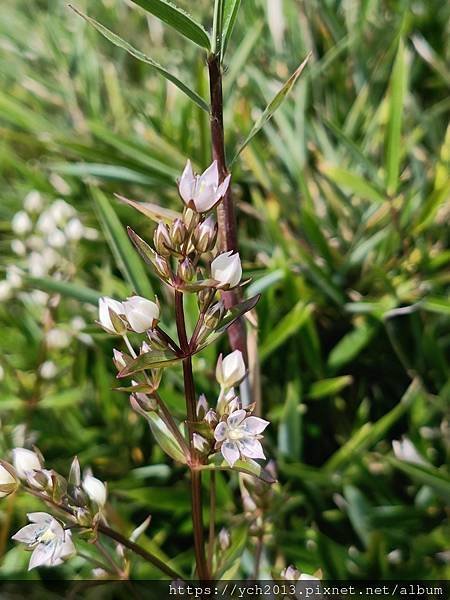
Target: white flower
x=293, y=574
x=33, y=201
x=21, y=223
x=141, y=314
x=57, y=239
x=50, y=543
x=202, y=192
x=119, y=360
x=226, y=269
x=57, y=338
x=36, y=264
x=18, y=247
x=105, y=305
x=230, y=370
x=406, y=451
x=25, y=461
x=48, y=369
x=95, y=489
x=46, y=222
x=240, y=436
x=5, y=290
x=61, y=211
x=14, y=276
x=74, y=229
x=8, y=482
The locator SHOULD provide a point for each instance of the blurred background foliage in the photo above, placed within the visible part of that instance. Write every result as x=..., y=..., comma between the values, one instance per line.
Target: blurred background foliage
x=343, y=206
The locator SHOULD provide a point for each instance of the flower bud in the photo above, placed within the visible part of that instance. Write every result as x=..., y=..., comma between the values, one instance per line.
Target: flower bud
x=21, y=223
x=226, y=269
x=205, y=235
x=162, y=267
x=8, y=479
x=161, y=240
x=157, y=342
x=141, y=403
x=33, y=202
x=230, y=370
x=211, y=418
x=204, y=297
x=200, y=443
x=141, y=314
x=202, y=406
x=25, y=461
x=40, y=480
x=224, y=539
x=118, y=360
x=186, y=270
x=214, y=315
x=178, y=232
x=190, y=218
x=95, y=489
x=109, y=312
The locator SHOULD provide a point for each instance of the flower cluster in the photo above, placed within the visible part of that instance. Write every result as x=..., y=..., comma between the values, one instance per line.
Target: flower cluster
x=46, y=235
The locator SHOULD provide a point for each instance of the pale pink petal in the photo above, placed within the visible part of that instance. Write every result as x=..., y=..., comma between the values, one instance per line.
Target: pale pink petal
x=251, y=448
x=254, y=425
x=210, y=177
x=28, y=534
x=236, y=418
x=187, y=183
x=222, y=189
x=205, y=197
x=221, y=431
x=42, y=555
x=40, y=517
x=230, y=452
x=67, y=547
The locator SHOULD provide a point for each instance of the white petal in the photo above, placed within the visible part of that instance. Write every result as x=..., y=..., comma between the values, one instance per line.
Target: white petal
x=220, y=433
x=187, y=182
x=210, y=177
x=67, y=548
x=28, y=534
x=236, y=418
x=222, y=189
x=251, y=448
x=254, y=425
x=230, y=452
x=95, y=489
x=42, y=555
x=205, y=198
x=40, y=517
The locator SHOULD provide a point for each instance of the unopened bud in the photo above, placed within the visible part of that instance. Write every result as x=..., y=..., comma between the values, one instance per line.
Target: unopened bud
x=205, y=235
x=118, y=360
x=157, y=342
x=224, y=539
x=202, y=406
x=204, y=298
x=161, y=240
x=214, y=315
x=178, y=232
x=200, y=443
x=190, y=218
x=141, y=403
x=211, y=418
x=9, y=481
x=186, y=270
x=162, y=267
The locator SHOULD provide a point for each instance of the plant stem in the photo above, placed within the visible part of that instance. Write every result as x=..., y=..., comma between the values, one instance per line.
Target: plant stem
x=212, y=519
x=225, y=211
x=196, y=482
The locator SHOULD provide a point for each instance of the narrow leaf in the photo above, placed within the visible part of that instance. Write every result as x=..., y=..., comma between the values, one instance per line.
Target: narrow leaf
x=65, y=288
x=156, y=359
x=329, y=387
x=230, y=12
x=128, y=261
x=178, y=19
x=273, y=105
x=354, y=183
x=152, y=211
x=424, y=475
x=289, y=325
x=121, y=43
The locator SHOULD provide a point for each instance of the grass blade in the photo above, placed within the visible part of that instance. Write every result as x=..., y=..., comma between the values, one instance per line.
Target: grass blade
x=230, y=12
x=121, y=43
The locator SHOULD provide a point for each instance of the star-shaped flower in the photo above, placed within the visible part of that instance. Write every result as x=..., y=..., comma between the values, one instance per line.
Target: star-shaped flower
x=239, y=436
x=202, y=192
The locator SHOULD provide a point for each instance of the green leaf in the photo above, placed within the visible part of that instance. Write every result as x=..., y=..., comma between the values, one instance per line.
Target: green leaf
x=397, y=91
x=350, y=345
x=289, y=325
x=155, y=359
x=230, y=12
x=65, y=288
x=358, y=511
x=121, y=43
x=356, y=184
x=164, y=437
x=178, y=19
x=425, y=475
x=289, y=430
x=86, y=170
x=128, y=261
x=329, y=387
x=273, y=105
x=437, y=305
x=152, y=211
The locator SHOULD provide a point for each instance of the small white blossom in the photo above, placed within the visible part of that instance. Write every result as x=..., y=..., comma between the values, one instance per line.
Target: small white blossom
x=61, y=211
x=14, y=276
x=8, y=481
x=51, y=544
x=230, y=370
x=141, y=314
x=57, y=338
x=240, y=436
x=293, y=574
x=106, y=304
x=46, y=223
x=33, y=202
x=25, y=462
x=48, y=369
x=21, y=223
x=406, y=451
x=57, y=239
x=226, y=269
x=202, y=192
x=95, y=489
x=18, y=247
x=5, y=290
x=74, y=229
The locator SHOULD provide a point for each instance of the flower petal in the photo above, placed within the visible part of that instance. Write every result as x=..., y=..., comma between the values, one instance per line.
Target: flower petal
x=40, y=517
x=254, y=425
x=222, y=189
x=210, y=177
x=187, y=182
x=220, y=433
x=28, y=534
x=236, y=418
x=42, y=555
x=230, y=452
x=251, y=448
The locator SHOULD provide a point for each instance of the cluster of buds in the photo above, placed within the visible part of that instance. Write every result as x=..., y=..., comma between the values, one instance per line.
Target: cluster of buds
x=83, y=501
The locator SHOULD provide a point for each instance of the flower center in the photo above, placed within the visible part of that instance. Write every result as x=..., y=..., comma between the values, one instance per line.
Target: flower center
x=236, y=434
x=47, y=536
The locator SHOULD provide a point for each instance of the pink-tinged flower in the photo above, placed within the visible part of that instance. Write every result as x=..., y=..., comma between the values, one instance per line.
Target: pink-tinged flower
x=141, y=314
x=50, y=543
x=109, y=311
x=202, y=192
x=406, y=451
x=226, y=269
x=25, y=462
x=239, y=437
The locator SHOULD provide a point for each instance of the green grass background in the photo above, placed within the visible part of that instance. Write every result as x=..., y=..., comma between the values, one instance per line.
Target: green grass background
x=343, y=211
